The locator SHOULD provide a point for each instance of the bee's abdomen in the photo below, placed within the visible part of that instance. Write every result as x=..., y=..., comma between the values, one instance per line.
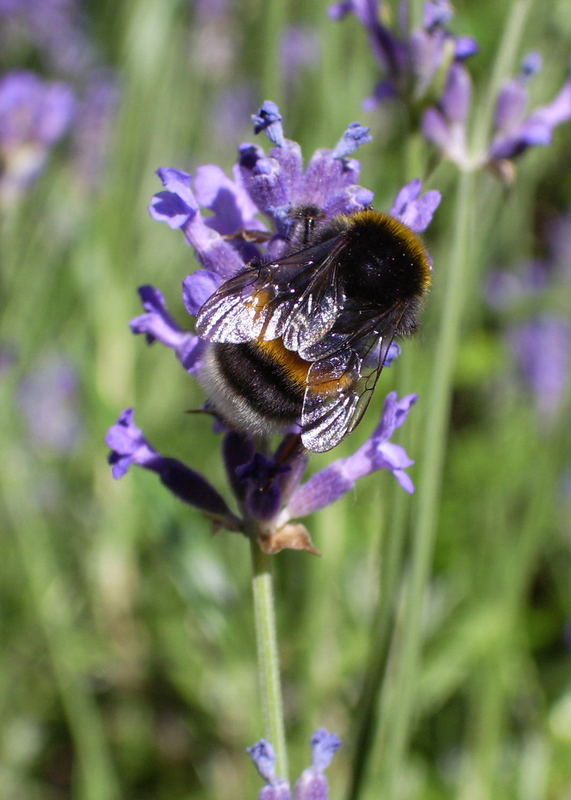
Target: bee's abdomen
x=255, y=386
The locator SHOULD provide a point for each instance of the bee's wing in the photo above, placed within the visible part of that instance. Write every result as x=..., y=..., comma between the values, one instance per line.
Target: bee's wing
x=339, y=389
x=294, y=297
x=230, y=314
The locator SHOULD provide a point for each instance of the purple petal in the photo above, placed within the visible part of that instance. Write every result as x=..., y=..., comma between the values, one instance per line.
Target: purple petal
x=177, y=204
x=457, y=95
x=558, y=111
x=269, y=120
x=321, y=490
x=536, y=129
x=543, y=351
x=532, y=64
x=129, y=447
x=427, y=49
x=510, y=105
x=312, y=784
x=414, y=210
x=466, y=47
x=531, y=133
x=290, y=160
x=331, y=483
x=264, y=179
x=178, y=207
x=238, y=449
x=338, y=11
x=437, y=12
x=326, y=176
x=198, y=287
x=354, y=136
x=33, y=112
x=233, y=208
x=324, y=745
x=264, y=758
x=437, y=129
x=214, y=253
x=48, y=398
x=262, y=494
x=384, y=90
x=394, y=415
x=353, y=198
x=158, y=325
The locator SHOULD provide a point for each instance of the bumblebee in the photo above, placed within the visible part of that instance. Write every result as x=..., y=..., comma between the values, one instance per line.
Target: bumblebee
x=303, y=339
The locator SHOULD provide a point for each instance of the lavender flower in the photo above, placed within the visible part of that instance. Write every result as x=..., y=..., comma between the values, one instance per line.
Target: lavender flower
x=34, y=115
x=129, y=446
x=515, y=130
x=300, y=50
x=53, y=28
x=541, y=340
x=542, y=348
x=92, y=131
x=264, y=758
x=414, y=64
x=267, y=488
x=312, y=783
x=48, y=397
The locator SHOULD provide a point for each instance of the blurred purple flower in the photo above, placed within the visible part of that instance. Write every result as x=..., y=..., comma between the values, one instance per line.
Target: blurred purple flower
x=312, y=783
x=34, y=115
x=48, y=398
x=412, y=62
x=300, y=50
x=214, y=38
x=266, y=487
x=445, y=124
x=535, y=279
x=515, y=131
x=54, y=28
x=542, y=348
x=93, y=127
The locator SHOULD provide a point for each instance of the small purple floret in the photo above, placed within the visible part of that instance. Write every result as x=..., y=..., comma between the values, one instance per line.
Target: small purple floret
x=312, y=784
x=197, y=288
x=415, y=210
x=177, y=205
x=324, y=745
x=354, y=136
x=262, y=495
x=129, y=447
x=263, y=756
x=34, y=115
x=157, y=324
x=269, y=120
x=328, y=485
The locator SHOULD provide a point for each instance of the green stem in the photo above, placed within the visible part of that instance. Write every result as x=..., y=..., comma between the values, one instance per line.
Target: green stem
x=503, y=65
x=398, y=694
x=268, y=656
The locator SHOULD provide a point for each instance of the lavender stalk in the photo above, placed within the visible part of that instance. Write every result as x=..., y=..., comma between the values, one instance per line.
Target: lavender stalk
x=268, y=656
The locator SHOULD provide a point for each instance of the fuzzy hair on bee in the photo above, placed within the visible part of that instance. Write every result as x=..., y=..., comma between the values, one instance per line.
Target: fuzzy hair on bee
x=303, y=339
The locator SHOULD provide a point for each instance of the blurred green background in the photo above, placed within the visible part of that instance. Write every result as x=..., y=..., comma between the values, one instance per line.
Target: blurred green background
x=128, y=655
